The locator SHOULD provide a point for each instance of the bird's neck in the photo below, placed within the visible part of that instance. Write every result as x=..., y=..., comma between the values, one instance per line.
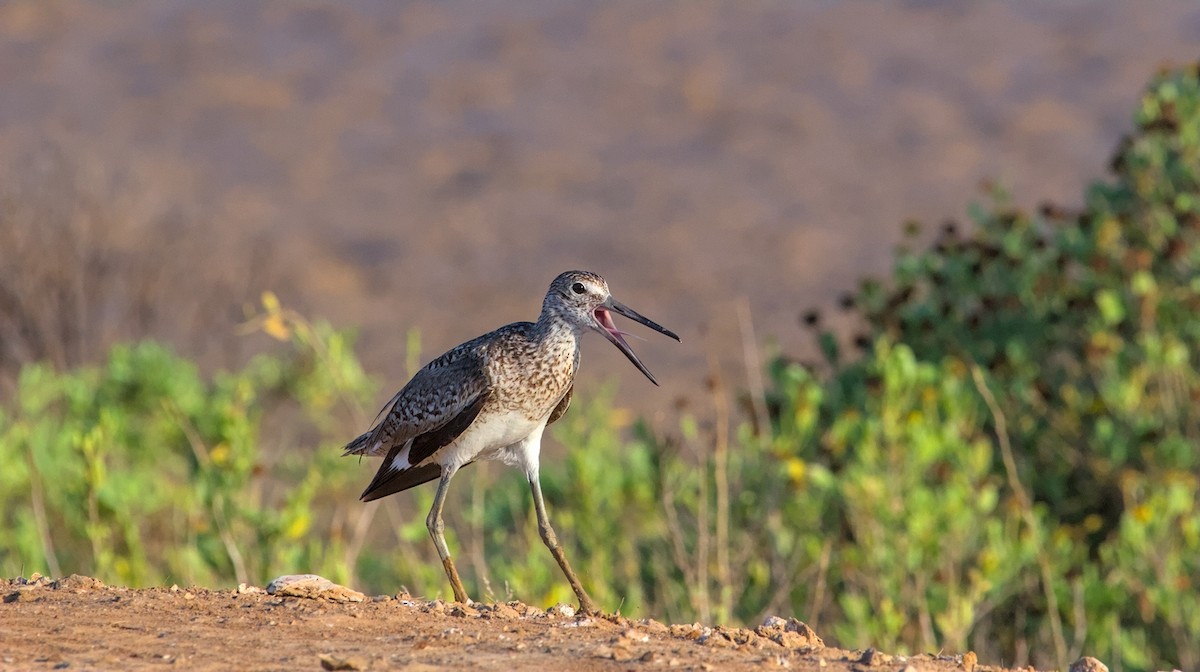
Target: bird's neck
x=558, y=339
x=554, y=325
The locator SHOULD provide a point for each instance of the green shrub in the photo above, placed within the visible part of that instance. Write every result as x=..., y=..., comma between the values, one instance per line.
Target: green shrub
x=140, y=471
x=1086, y=325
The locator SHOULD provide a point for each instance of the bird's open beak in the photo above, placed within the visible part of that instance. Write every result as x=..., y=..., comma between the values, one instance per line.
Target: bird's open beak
x=604, y=324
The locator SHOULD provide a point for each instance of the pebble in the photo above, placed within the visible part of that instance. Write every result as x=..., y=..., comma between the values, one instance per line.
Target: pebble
x=331, y=662
x=561, y=609
x=312, y=586
x=653, y=626
x=635, y=635
x=790, y=633
x=1088, y=664
x=504, y=612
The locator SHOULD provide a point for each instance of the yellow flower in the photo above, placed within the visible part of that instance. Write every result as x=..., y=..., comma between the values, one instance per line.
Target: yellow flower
x=220, y=454
x=276, y=328
x=1141, y=513
x=298, y=527
x=795, y=470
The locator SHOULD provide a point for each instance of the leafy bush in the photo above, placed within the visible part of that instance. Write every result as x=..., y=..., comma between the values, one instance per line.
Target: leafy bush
x=1085, y=323
x=140, y=471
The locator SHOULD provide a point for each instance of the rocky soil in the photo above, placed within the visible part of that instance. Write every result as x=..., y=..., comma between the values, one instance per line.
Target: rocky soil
x=80, y=623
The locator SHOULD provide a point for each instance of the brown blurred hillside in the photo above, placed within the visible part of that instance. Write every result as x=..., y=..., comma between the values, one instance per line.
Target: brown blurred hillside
x=433, y=165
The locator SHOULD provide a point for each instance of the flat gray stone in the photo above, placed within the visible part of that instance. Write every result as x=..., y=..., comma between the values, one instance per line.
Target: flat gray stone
x=312, y=586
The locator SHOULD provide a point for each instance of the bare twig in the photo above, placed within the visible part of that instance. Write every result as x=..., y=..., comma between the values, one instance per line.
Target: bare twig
x=39, y=516
x=702, y=545
x=753, y=364
x=721, y=477
x=924, y=618
x=408, y=556
x=675, y=534
x=362, y=524
x=1080, y=610
x=231, y=547
x=216, y=506
x=814, y=606
x=1026, y=504
x=475, y=528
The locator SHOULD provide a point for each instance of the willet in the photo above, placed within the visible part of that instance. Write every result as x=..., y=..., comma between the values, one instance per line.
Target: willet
x=490, y=399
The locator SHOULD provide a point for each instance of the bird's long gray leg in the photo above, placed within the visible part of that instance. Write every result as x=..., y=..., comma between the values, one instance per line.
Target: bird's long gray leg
x=436, y=527
x=551, y=540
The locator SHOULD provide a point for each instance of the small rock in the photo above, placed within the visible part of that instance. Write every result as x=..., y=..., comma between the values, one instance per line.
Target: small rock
x=312, y=586
x=521, y=608
x=246, y=589
x=653, y=626
x=650, y=657
x=12, y=597
x=463, y=611
x=560, y=609
x=503, y=612
x=773, y=623
x=693, y=631
x=774, y=627
x=1088, y=664
x=635, y=635
x=78, y=583
x=871, y=657
x=791, y=640
x=718, y=639
x=801, y=628
x=330, y=662
x=189, y=596
x=969, y=661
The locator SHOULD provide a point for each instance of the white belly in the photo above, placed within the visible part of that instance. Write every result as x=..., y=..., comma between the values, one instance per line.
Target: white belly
x=508, y=437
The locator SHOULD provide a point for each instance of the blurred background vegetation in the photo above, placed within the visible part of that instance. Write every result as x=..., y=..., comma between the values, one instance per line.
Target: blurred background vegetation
x=1004, y=459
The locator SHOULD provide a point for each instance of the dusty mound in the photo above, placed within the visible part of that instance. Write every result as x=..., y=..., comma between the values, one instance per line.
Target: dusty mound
x=79, y=622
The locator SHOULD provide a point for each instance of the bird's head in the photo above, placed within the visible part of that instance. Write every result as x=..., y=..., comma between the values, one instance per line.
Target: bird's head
x=582, y=298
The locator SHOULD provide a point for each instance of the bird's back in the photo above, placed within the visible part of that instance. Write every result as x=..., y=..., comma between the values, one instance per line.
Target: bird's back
x=515, y=367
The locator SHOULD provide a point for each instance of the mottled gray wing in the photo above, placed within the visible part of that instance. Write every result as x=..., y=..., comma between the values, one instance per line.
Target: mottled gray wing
x=391, y=479
x=434, y=397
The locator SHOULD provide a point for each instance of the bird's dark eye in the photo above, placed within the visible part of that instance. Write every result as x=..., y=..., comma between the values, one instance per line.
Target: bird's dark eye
x=578, y=288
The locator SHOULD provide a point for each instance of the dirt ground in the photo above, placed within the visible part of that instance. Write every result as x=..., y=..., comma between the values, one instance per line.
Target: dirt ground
x=79, y=623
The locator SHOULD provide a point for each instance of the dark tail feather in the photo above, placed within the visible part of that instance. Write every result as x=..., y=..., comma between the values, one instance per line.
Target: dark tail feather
x=358, y=446
x=389, y=481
